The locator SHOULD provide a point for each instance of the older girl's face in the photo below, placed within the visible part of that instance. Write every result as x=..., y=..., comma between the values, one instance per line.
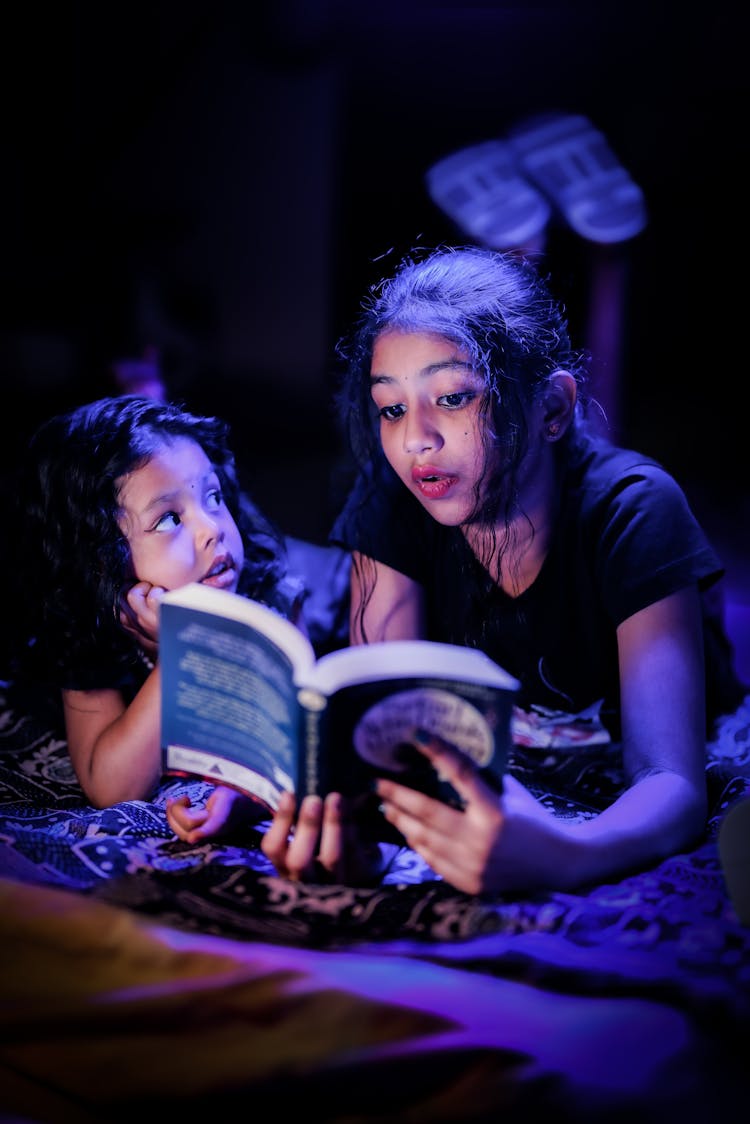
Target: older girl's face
x=428, y=395
x=177, y=525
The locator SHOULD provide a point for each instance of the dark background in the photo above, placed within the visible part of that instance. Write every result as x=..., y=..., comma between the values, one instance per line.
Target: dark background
x=225, y=183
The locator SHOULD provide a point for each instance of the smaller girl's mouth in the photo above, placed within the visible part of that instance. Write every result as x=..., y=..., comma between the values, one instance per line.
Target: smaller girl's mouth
x=221, y=574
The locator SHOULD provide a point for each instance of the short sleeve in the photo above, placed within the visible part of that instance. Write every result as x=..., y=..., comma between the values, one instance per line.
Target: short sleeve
x=648, y=543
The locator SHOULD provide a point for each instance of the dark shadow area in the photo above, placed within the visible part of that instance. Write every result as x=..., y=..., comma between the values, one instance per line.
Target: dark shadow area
x=225, y=185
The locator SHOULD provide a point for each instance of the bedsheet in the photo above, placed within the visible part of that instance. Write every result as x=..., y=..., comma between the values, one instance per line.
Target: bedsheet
x=140, y=972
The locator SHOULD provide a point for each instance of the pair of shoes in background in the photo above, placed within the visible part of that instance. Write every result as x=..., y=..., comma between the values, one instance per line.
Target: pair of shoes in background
x=502, y=193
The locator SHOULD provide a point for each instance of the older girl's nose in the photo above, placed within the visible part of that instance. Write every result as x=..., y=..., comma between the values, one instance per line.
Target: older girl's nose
x=419, y=434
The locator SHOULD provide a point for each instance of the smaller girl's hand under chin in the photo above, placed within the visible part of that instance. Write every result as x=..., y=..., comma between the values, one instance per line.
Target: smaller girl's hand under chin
x=139, y=614
x=224, y=811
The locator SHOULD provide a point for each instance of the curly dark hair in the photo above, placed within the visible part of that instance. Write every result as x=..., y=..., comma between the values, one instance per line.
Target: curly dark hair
x=75, y=563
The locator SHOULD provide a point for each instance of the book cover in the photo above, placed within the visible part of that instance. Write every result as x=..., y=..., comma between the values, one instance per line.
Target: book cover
x=245, y=703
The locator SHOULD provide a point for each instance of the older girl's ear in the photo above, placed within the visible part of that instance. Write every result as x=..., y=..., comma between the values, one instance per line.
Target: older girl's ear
x=558, y=404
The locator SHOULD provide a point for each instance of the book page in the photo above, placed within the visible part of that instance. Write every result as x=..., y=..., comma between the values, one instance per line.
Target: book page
x=400, y=659
x=233, y=606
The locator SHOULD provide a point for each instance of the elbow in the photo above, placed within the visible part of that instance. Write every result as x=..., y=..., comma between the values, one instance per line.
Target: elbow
x=106, y=793
x=685, y=820
x=101, y=797
x=696, y=813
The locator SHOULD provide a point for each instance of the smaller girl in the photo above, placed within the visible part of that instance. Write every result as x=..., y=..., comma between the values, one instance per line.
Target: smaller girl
x=121, y=500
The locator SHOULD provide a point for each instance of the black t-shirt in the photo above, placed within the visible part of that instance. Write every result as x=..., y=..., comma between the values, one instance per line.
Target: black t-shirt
x=625, y=538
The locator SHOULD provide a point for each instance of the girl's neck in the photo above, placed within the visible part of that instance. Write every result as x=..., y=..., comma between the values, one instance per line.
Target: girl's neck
x=513, y=554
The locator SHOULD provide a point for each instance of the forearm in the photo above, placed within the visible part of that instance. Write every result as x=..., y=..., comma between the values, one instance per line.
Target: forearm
x=125, y=761
x=515, y=843
x=656, y=817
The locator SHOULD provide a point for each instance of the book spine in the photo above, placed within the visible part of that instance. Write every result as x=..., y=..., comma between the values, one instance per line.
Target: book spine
x=311, y=778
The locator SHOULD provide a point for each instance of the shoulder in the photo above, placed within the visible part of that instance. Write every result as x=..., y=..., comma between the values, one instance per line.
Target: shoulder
x=606, y=478
x=633, y=524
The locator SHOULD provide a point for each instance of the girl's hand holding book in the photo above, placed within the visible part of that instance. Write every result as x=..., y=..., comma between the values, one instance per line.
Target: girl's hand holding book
x=320, y=843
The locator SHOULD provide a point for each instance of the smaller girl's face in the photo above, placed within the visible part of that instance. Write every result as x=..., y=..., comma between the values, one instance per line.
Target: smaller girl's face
x=428, y=395
x=177, y=525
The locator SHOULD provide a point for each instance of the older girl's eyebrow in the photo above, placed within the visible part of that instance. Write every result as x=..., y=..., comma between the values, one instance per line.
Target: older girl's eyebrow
x=430, y=369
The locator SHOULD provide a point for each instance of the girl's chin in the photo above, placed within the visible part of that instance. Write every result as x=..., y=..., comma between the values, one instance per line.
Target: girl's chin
x=447, y=514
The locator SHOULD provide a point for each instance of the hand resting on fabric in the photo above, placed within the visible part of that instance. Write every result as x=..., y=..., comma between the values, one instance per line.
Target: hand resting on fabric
x=319, y=843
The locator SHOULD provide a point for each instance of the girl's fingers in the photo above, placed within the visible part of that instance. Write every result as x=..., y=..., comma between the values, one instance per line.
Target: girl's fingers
x=454, y=767
x=292, y=844
x=139, y=613
x=275, y=840
x=219, y=810
x=154, y=597
x=136, y=598
x=422, y=820
x=178, y=802
x=320, y=843
x=300, y=845
x=332, y=836
x=302, y=850
x=176, y=811
x=185, y=821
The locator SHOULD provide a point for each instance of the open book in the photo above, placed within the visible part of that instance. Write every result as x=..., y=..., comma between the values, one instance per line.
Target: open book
x=246, y=704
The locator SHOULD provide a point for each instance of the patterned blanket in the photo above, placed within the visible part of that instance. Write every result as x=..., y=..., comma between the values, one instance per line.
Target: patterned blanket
x=666, y=938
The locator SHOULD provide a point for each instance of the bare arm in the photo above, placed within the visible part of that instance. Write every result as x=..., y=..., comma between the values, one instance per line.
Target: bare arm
x=395, y=609
x=514, y=843
x=662, y=688
x=115, y=749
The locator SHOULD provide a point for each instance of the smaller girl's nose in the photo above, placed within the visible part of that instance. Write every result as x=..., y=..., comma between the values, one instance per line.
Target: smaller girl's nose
x=208, y=530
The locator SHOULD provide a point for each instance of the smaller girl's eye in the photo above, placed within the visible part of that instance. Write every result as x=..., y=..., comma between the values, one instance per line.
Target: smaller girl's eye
x=167, y=522
x=214, y=499
x=457, y=400
x=391, y=413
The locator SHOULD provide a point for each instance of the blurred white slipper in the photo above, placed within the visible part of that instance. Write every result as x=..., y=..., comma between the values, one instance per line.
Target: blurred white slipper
x=481, y=190
x=572, y=163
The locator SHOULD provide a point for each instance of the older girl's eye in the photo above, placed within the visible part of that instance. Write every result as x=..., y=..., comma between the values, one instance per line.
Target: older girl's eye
x=214, y=499
x=457, y=400
x=391, y=413
x=167, y=522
